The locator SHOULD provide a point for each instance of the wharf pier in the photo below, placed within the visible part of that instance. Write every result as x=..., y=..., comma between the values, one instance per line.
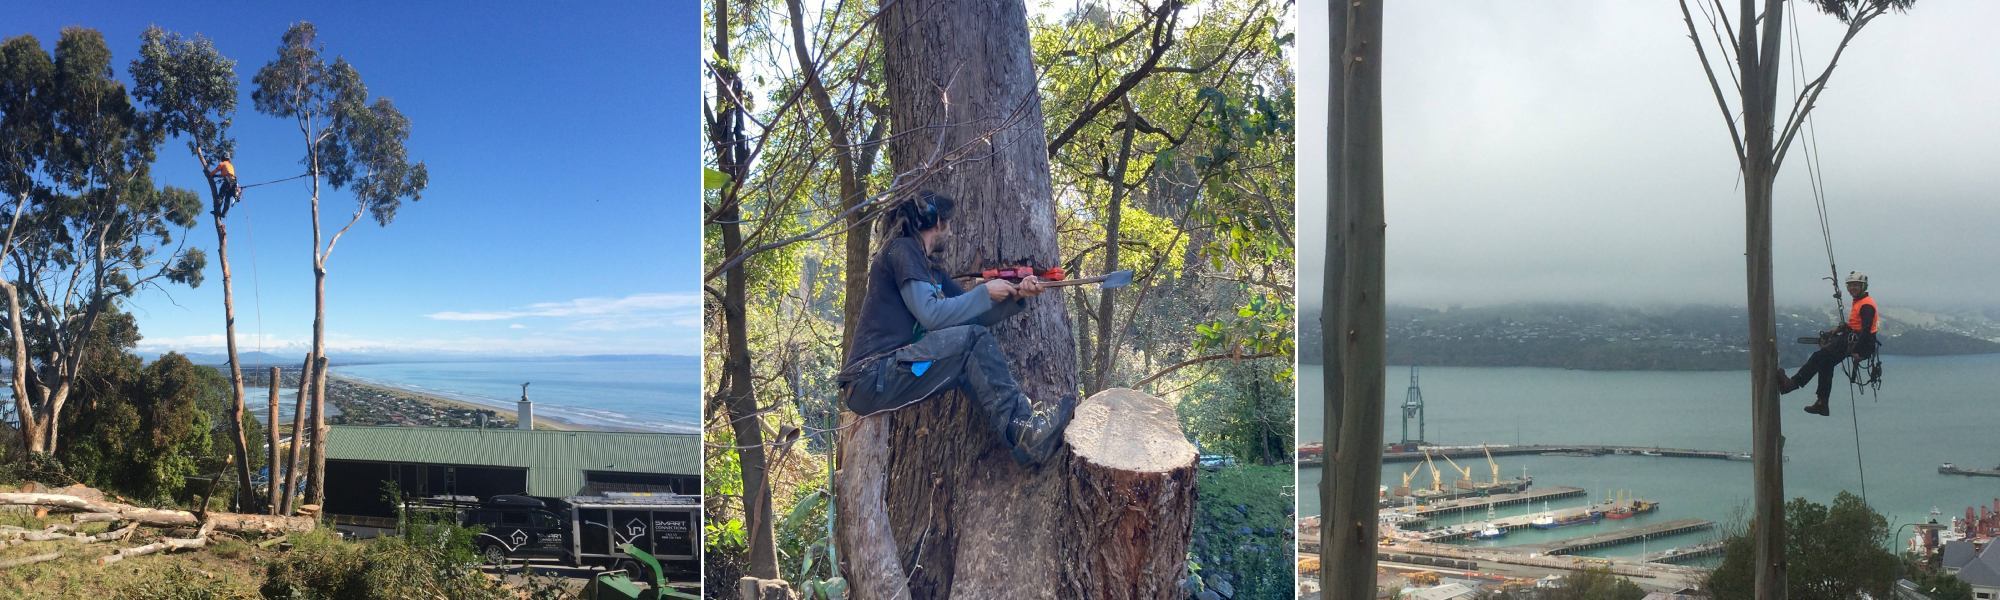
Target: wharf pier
x=1679, y=555
x=1315, y=458
x=1622, y=536
x=1506, y=523
x=1496, y=500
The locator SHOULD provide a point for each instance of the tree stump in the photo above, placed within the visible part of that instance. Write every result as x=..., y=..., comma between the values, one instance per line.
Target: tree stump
x=1131, y=496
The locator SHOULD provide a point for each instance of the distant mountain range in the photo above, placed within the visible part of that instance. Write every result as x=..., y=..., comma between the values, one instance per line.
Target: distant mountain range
x=1605, y=337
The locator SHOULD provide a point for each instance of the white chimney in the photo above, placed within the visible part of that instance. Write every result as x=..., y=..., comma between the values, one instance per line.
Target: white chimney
x=525, y=415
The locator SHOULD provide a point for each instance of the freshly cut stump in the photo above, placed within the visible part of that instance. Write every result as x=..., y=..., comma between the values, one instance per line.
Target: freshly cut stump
x=1131, y=495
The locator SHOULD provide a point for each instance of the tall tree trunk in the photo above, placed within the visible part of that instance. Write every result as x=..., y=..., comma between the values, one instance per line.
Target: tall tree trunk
x=853, y=191
x=967, y=522
x=271, y=502
x=17, y=382
x=1354, y=341
x=1107, y=313
x=315, y=487
x=739, y=385
x=1760, y=89
x=244, y=498
x=300, y=406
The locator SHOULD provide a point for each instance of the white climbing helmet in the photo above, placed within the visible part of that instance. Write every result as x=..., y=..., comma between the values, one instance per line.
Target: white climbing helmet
x=1857, y=277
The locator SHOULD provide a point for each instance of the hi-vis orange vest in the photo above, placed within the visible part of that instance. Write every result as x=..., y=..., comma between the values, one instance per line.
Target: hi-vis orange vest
x=1854, y=315
x=225, y=169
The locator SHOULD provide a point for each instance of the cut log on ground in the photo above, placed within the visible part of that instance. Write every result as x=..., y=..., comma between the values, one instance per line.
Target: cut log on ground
x=29, y=560
x=232, y=522
x=200, y=539
x=1131, y=493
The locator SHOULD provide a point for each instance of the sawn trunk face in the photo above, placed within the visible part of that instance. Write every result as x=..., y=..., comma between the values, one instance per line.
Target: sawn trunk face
x=960, y=77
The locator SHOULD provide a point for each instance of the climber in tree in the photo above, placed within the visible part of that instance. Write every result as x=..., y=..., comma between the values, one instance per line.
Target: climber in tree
x=1855, y=338
x=920, y=334
x=225, y=178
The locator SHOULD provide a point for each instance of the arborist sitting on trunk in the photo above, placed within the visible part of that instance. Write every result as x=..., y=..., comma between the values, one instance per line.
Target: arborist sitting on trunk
x=920, y=334
x=225, y=175
x=1855, y=338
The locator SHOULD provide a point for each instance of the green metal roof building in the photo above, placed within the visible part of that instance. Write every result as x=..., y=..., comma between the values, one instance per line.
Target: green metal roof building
x=430, y=461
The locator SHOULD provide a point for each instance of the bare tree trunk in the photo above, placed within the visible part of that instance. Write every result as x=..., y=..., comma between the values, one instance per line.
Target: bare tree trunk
x=1355, y=340
x=244, y=498
x=24, y=408
x=1760, y=95
x=315, y=488
x=293, y=454
x=739, y=390
x=271, y=502
x=874, y=569
x=1107, y=348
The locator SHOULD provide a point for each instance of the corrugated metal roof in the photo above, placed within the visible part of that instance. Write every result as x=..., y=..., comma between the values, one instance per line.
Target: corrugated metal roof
x=556, y=460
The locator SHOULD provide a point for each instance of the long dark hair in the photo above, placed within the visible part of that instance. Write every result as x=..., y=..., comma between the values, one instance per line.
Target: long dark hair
x=926, y=211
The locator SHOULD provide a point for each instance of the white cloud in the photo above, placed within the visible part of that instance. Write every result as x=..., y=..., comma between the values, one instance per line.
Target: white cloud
x=635, y=305
x=517, y=326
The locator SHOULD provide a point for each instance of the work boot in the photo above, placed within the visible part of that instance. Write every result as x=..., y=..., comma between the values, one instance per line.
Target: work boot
x=1038, y=435
x=1819, y=408
x=1785, y=383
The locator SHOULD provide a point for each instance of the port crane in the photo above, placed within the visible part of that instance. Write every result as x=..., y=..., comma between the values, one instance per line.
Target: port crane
x=1464, y=473
x=1490, y=463
x=1437, y=480
x=1405, y=489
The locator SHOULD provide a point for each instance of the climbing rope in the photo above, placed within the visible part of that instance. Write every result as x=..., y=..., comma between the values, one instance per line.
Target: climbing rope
x=1815, y=174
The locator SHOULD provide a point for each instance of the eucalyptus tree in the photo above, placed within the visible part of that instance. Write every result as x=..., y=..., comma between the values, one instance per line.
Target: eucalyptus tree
x=96, y=231
x=191, y=90
x=1751, y=56
x=25, y=141
x=350, y=143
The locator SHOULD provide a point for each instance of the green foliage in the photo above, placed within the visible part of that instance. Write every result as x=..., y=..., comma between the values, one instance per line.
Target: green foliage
x=1594, y=584
x=1830, y=553
x=190, y=87
x=1246, y=411
x=434, y=559
x=1240, y=530
x=142, y=431
x=1938, y=586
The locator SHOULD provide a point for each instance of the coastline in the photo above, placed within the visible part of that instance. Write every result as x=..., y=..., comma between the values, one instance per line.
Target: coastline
x=368, y=401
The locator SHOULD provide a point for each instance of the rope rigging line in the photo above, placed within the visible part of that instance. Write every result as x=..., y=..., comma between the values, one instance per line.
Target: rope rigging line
x=1816, y=175
x=298, y=176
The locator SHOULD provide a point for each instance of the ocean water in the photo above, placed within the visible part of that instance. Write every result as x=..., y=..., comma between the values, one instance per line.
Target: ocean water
x=1931, y=410
x=653, y=393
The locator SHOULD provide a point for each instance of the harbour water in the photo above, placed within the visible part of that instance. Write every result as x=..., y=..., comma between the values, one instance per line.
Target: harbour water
x=1932, y=410
x=651, y=393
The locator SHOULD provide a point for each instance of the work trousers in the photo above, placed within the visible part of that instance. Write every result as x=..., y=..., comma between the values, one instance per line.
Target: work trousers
x=964, y=358
x=1822, y=363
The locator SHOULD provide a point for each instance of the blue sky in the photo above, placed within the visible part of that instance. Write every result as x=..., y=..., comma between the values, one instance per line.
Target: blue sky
x=562, y=141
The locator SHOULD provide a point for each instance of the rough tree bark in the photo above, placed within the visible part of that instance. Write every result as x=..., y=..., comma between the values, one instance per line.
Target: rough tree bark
x=1131, y=497
x=220, y=211
x=966, y=521
x=1354, y=335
